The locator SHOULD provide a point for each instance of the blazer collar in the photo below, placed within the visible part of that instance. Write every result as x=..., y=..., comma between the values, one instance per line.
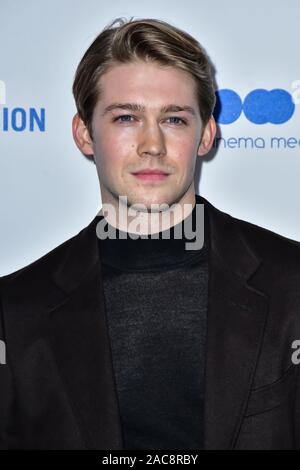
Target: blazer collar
x=237, y=314
x=227, y=245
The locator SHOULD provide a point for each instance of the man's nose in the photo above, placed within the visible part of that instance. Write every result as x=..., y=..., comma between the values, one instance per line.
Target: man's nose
x=151, y=141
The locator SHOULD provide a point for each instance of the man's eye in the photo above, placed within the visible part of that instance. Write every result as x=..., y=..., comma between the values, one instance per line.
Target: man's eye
x=180, y=119
x=123, y=116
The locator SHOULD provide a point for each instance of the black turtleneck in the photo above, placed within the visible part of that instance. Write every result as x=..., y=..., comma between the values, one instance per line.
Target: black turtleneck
x=156, y=301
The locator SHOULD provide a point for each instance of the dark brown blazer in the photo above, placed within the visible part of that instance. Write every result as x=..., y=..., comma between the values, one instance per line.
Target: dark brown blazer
x=57, y=388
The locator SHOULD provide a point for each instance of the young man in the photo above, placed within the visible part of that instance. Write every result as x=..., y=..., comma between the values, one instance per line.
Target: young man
x=133, y=340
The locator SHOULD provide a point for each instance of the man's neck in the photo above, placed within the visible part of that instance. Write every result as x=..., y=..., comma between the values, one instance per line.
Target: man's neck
x=134, y=220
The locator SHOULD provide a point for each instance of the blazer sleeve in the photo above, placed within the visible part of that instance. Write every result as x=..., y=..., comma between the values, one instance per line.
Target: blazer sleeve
x=9, y=432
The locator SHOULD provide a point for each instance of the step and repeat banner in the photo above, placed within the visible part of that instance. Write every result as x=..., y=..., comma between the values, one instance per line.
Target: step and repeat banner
x=50, y=191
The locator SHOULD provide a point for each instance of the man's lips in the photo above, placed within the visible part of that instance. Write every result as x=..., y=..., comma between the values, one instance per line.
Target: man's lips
x=151, y=172
x=151, y=175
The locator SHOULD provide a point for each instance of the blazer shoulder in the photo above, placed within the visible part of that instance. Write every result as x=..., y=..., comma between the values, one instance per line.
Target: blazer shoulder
x=269, y=244
x=260, y=240
x=42, y=265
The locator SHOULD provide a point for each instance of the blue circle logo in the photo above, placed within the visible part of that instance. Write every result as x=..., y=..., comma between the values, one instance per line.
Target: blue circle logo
x=259, y=106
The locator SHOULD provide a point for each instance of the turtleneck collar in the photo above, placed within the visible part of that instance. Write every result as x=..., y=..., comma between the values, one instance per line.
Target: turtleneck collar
x=146, y=253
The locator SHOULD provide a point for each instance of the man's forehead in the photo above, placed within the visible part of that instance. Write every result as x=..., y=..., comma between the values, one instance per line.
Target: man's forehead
x=149, y=77
x=142, y=94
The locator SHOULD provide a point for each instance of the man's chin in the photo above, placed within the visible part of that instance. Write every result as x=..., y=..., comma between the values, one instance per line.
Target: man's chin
x=150, y=204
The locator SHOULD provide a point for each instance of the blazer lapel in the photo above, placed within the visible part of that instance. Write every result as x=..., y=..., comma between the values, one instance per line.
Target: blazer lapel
x=77, y=333
x=237, y=314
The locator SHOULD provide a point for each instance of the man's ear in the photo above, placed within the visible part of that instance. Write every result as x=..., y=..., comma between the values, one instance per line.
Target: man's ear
x=208, y=136
x=81, y=136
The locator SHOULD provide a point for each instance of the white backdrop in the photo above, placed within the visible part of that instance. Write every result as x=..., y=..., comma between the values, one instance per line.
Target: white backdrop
x=49, y=191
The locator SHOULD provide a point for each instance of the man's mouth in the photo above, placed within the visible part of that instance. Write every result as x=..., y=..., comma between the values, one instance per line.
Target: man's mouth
x=151, y=175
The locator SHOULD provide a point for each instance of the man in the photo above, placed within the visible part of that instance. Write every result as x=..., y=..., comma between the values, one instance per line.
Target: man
x=133, y=341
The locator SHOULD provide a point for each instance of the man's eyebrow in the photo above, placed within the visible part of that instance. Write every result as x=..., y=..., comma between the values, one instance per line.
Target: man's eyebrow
x=173, y=108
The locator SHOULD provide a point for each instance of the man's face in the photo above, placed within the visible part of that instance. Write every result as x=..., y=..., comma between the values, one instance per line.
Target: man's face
x=126, y=141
